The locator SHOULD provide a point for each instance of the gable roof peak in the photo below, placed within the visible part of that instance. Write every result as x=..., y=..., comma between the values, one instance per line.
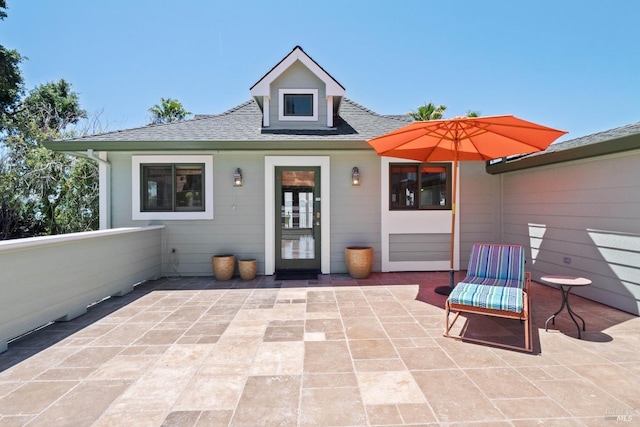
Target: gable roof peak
x=262, y=87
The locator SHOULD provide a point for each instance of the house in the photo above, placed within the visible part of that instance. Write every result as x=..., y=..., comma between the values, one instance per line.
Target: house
x=293, y=148
x=289, y=179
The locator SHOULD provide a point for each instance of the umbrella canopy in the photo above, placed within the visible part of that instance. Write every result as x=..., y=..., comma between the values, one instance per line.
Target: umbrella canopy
x=464, y=138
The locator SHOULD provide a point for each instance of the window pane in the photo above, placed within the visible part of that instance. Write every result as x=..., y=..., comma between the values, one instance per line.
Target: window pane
x=403, y=182
x=189, y=187
x=433, y=186
x=298, y=105
x=157, y=188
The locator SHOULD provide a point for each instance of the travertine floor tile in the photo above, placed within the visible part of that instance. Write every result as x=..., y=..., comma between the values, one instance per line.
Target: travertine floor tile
x=503, y=383
x=334, y=351
x=379, y=388
x=459, y=401
x=372, y=349
x=327, y=356
x=269, y=401
x=332, y=407
x=205, y=392
x=94, y=397
x=34, y=397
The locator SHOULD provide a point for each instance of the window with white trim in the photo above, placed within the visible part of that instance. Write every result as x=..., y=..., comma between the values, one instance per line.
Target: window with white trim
x=172, y=187
x=298, y=104
x=420, y=186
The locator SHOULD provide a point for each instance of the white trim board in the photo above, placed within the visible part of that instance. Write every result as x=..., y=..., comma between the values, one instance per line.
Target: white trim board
x=270, y=163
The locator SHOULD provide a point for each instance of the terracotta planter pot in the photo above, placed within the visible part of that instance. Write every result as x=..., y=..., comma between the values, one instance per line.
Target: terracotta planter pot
x=359, y=260
x=248, y=268
x=223, y=266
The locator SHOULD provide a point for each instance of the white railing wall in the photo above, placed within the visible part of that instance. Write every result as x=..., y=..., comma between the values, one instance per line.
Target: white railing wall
x=49, y=278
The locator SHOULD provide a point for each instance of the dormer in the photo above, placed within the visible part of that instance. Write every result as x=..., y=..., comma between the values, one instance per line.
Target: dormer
x=298, y=94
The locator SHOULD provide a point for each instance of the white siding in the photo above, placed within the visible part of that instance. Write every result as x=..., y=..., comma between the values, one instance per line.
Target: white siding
x=580, y=218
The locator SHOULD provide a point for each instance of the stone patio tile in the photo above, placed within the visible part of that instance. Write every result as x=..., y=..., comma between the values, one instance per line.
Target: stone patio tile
x=327, y=356
x=351, y=365
x=269, y=400
x=94, y=397
x=372, y=349
x=34, y=397
x=425, y=358
x=580, y=398
x=379, y=388
x=459, y=401
x=502, y=383
x=332, y=407
x=533, y=408
x=207, y=392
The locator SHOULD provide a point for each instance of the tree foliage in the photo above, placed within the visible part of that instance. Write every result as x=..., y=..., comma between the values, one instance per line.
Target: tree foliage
x=169, y=110
x=41, y=191
x=11, y=82
x=428, y=111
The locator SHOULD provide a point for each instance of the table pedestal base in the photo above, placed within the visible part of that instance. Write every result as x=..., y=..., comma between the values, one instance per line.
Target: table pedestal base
x=565, y=303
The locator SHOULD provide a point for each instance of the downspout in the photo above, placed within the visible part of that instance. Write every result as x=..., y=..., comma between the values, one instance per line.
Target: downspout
x=104, y=183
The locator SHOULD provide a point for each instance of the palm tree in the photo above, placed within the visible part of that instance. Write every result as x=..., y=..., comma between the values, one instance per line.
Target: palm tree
x=169, y=110
x=428, y=112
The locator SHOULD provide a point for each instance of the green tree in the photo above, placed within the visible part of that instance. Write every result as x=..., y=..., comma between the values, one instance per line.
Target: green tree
x=169, y=110
x=428, y=111
x=49, y=192
x=11, y=82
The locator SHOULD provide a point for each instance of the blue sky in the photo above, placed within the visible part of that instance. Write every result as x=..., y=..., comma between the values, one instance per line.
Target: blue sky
x=572, y=65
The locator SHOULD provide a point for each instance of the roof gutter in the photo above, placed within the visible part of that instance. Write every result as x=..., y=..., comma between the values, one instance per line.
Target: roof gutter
x=73, y=147
x=611, y=146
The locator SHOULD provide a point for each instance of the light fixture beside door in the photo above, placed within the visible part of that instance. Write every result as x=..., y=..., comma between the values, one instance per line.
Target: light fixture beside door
x=355, y=176
x=237, y=178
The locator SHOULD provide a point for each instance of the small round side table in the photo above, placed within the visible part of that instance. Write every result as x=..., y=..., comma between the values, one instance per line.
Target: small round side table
x=565, y=283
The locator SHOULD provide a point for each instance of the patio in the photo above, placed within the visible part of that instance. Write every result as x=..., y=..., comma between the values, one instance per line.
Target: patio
x=331, y=352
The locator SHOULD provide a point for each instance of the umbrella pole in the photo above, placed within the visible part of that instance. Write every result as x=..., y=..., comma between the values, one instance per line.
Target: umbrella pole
x=446, y=290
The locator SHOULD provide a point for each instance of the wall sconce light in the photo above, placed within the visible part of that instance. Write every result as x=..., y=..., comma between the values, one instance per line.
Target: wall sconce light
x=237, y=178
x=355, y=176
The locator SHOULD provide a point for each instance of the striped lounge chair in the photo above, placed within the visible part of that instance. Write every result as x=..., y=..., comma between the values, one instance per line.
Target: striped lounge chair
x=496, y=285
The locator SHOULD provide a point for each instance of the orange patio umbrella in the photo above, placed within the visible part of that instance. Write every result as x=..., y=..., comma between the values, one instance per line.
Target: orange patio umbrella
x=464, y=138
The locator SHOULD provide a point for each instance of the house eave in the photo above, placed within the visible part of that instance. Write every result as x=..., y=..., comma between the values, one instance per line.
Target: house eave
x=612, y=146
x=290, y=145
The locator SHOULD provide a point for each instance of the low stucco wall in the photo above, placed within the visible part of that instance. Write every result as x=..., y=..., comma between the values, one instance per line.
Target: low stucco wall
x=50, y=278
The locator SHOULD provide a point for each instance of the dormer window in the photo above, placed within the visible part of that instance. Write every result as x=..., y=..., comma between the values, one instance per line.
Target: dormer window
x=298, y=104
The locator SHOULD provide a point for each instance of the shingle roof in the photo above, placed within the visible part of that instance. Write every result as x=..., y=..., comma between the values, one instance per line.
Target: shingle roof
x=620, y=139
x=619, y=132
x=244, y=123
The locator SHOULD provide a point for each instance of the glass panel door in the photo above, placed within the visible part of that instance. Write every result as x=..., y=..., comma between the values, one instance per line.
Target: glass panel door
x=297, y=218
